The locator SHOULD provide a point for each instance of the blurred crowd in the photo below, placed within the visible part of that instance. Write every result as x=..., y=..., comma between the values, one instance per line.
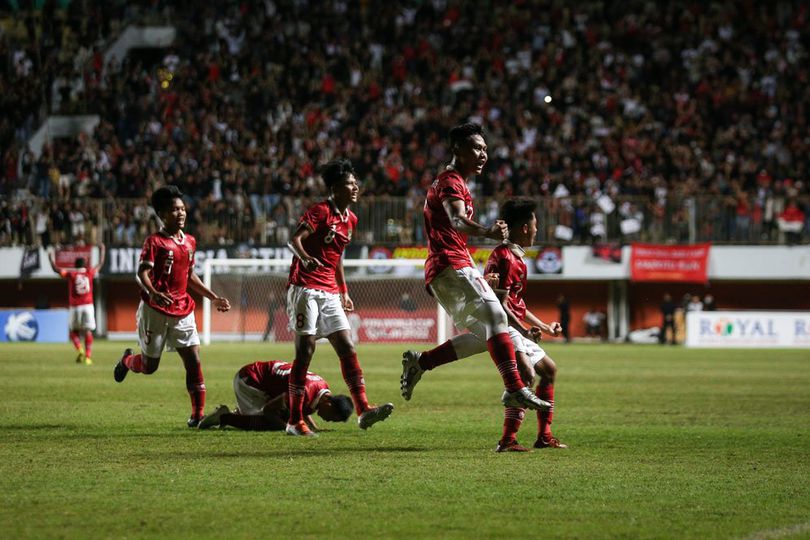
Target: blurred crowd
x=668, y=121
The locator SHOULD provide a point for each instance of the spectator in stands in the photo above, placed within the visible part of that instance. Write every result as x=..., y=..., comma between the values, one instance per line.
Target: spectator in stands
x=694, y=304
x=667, y=320
x=708, y=303
x=791, y=222
x=593, y=323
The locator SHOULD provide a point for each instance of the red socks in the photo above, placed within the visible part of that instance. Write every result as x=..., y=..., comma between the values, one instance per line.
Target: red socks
x=353, y=375
x=74, y=337
x=295, y=390
x=88, y=344
x=503, y=354
x=196, y=388
x=512, y=418
x=134, y=362
x=443, y=354
x=546, y=393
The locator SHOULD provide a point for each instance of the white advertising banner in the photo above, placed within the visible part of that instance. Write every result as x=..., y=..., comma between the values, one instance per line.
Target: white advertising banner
x=745, y=329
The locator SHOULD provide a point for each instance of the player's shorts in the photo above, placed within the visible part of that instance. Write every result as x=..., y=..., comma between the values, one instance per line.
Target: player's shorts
x=315, y=313
x=156, y=331
x=82, y=317
x=463, y=293
x=249, y=399
x=532, y=350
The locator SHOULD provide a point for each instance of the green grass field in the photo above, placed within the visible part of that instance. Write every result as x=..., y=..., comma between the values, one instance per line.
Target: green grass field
x=664, y=443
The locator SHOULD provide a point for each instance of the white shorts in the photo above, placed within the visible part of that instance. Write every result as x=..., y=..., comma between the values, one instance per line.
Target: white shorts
x=82, y=317
x=315, y=313
x=156, y=331
x=462, y=293
x=250, y=400
x=532, y=350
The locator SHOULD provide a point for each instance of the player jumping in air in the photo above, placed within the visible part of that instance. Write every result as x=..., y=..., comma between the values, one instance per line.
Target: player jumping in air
x=261, y=395
x=80, y=297
x=451, y=275
x=317, y=296
x=166, y=313
x=506, y=272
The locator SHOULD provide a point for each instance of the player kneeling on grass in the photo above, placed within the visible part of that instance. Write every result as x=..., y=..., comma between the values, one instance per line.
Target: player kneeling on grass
x=317, y=296
x=166, y=313
x=261, y=397
x=506, y=274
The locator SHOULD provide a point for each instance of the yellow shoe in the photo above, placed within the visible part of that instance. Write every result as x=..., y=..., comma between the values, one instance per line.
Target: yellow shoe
x=80, y=357
x=88, y=361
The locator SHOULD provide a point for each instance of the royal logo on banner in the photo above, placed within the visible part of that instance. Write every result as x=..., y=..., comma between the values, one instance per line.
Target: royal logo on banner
x=688, y=264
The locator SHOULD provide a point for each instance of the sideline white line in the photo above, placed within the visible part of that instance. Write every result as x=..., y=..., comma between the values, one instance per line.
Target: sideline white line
x=779, y=533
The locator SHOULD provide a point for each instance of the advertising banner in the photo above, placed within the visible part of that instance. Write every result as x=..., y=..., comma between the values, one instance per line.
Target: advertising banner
x=661, y=263
x=765, y=329
x=66, y=256
x=378, y=326
x=36, y=325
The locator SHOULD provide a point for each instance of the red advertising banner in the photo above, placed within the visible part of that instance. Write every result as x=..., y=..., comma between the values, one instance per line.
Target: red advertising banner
x=66, y=256
x=688, y=264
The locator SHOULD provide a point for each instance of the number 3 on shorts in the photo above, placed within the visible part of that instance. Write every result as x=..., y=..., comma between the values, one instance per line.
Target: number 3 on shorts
x=299, y=320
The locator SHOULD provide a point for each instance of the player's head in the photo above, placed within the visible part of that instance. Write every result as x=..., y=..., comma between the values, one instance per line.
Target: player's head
x=520, y=217
x=80, y=262
x=469, y=148
x=169, y=206
x=338, y=175
x=335, y=408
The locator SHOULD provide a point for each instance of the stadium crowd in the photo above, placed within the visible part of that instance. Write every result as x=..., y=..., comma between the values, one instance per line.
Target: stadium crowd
x=679, y=113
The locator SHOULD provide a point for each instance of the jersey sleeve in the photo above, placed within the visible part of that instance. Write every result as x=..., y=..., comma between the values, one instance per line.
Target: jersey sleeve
x=313, y=216
x=64, y=273
x=452, y=187
x=148, y=253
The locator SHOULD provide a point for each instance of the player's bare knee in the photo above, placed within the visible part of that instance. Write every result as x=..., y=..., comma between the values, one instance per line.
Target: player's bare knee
x=546, y=369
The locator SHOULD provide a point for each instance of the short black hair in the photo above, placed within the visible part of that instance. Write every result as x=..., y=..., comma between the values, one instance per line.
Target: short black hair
x=79, y=262
x=518, y=212
x=336, y=171
x=163, y=198
x=343, y=405
x=462, y=132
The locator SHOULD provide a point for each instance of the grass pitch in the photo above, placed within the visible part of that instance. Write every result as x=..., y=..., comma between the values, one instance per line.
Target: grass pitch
x=664, y=442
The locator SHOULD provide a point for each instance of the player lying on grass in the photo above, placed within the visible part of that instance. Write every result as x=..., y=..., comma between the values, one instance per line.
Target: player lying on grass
x=318, y=298
x=506, y=273
x=262, y=400
x=450, y=274
x=166, y=312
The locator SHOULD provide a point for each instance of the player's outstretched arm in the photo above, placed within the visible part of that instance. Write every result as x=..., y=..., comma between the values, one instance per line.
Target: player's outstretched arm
x=457, y=212
x=102, y=254
x=553, y=329
x=196, y=285
x=297, y=247
x=52, y=260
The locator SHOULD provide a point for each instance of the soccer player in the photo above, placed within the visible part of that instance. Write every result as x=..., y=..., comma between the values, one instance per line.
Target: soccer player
x=451, y=275
x=166, y=313
x=80, y=298
x=261, y=395
x=317, y=296
x=506, y=271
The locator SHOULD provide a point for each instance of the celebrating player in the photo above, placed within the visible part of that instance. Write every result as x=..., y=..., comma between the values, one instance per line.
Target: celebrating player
x=80, y=297
x=166, y=312
x=506, y=271
x=317, y=296
x=451, y=275
x=261, y=395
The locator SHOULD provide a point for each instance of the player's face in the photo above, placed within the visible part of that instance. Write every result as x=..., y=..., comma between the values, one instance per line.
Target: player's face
x=327, y=411
x=346, y=192
x=175, y=218
x=471, y=155
x=532, y=230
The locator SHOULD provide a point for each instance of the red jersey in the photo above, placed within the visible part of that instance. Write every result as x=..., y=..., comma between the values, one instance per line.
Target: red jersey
x=446, y=246
x=506, y=260
x=330, y=232
x=273, y=377
x=80, y=285
x=172, y=262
